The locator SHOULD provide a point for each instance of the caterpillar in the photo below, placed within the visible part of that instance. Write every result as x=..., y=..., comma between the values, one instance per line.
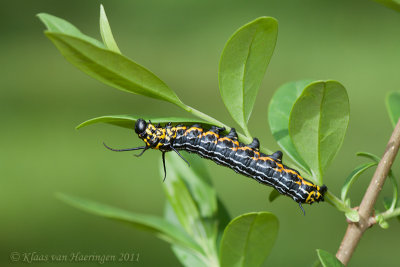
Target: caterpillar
x=228, y=151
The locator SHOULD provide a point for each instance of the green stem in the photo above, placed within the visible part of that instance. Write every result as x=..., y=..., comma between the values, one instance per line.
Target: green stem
x=389, y=214
x=336, y=202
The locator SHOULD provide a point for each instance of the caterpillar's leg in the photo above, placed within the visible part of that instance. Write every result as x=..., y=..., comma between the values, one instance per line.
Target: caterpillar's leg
x=177, y=152
x=165, y=169
x=144, y=150
x=301, y=207
x=126, y=149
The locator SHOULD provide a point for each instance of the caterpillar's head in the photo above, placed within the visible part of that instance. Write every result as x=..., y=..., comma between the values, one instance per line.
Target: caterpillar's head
x=147, y=132
x=317, y=194
x=140, y=126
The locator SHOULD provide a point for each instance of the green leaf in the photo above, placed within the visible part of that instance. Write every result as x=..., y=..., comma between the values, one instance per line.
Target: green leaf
x=393, y=106
x=248, y=239
x=182, y=202
x=106, y=33
x=318, y=123
x=58, y=25
x=188, y=258
x=191, y=195
x=242, y=66
x=128, y=121
x=369, y=156
x=381, y=222
x=393, y=179
x=196, y=207
x=353, y=176
x=273, y=195
x=384, y=224
x=158, y=226
x=111, y=68
x=327, y=259
x=317, y=263
x=393, y=4
x=198, y=181
x=278, y=117
x=223, y=219
x=387, y=202
x=352, y=215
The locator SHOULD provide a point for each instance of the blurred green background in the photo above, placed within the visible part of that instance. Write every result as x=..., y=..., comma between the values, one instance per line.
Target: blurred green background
x=43, y=98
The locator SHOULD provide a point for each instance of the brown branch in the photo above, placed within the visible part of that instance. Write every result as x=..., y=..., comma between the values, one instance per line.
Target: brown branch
x=355, y=231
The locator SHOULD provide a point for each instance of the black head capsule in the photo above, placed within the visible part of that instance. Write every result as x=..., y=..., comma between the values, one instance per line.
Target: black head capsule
x=140, y=126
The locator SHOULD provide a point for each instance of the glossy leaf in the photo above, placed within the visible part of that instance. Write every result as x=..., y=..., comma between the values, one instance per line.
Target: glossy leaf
x=242, y=66
x=369, y=156
x=393, y=4
x=328, y=260
x=198, y=181
x=153, y=224
x=248, y=239
x=353, y=176
x=395, y=199
x=181, y=201
x=223, y=219
x=111, y=68
x=278, y=117
x=191, y=201
x=188, y=258
x=106, y=33
x=128, y=121
x=352, y=215
x=393, y=106
x=274, y=195
x=387, y=202
x=318, y=123
x=195, y=207
x=58, y=25
x=381, y=222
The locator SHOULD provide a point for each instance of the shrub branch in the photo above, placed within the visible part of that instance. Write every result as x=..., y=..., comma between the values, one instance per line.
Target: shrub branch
x=355, y=231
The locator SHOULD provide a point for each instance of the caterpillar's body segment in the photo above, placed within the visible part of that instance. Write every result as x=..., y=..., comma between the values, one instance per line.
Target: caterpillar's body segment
x=229, y=152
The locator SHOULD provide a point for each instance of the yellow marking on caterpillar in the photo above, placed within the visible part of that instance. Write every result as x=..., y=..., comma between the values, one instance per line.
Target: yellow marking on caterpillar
x=181, y=128
x=309, y=198
x=160, y=133
x=267, y=158
x=192, y=129
x=158, y=146
x=225, y=138
x=171, y=133
x=210, y=133
x=195, y=128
